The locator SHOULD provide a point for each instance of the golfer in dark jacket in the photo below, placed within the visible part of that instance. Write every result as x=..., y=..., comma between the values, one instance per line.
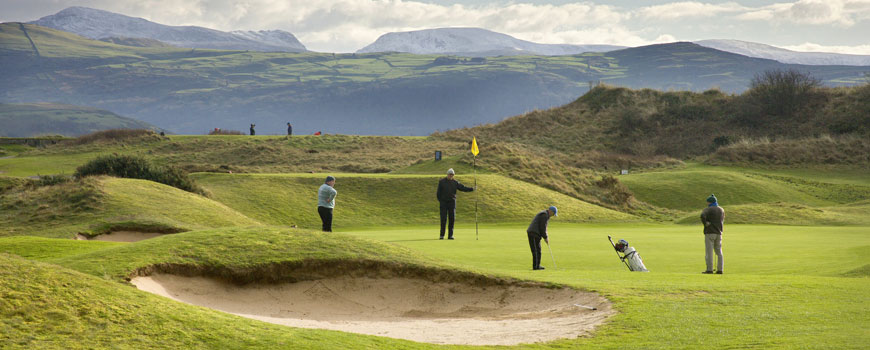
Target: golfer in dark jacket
x=447, y=198
x=538, y=230
x=713, y=218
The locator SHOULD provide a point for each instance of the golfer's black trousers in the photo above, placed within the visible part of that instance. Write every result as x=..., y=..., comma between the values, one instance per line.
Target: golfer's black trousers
x=535, y=246
x=448, y=210
x=326, y=218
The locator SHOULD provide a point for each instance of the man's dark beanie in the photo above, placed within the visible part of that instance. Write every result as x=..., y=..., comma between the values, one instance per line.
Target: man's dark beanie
x=711, y=199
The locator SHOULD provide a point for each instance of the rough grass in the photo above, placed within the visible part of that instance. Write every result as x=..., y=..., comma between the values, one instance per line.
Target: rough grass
x=115, y=135
x=650, y=126
x=826, y=150
x=290, y=199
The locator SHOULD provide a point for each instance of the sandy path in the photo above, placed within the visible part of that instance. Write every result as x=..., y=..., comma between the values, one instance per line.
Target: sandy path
x=413, y=309
x=121, y=236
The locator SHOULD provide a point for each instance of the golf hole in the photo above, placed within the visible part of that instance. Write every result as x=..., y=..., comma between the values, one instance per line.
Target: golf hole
x=400, y=307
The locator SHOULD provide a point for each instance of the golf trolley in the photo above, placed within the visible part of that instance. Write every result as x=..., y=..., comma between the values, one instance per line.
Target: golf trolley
x=628, y=255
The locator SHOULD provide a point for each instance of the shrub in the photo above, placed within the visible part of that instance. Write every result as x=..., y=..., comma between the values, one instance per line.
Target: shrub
x=217, y=131
x=782, y=92
x=138, y=168
x=51, y=180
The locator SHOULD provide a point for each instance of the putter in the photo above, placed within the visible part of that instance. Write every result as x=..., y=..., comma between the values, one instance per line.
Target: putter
x=551, y=255
x=617, y=253
x=586, y=307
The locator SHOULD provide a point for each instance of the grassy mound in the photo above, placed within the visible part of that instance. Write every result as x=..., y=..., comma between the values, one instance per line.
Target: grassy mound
x=366, y=200
x=780, y=213
x=94, y=205
x=688, y=189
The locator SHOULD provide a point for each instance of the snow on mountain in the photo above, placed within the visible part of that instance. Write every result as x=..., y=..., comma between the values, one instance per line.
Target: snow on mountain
x=472, y=42
x=98, y=24
x=785, y=56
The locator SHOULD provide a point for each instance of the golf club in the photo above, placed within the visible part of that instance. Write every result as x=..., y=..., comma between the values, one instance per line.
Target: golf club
x=551, y=255
x=586, y=307
x=617, y=253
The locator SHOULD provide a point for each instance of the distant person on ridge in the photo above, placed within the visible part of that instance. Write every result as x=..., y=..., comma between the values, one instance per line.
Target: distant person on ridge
x=713, y=218
x=447, y=199
x=289, y=129
x=326, y=202
x=252, y=129
x=537, y=230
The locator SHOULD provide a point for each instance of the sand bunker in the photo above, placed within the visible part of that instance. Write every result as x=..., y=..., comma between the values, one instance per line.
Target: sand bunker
x=121, y=236
x=404, y=308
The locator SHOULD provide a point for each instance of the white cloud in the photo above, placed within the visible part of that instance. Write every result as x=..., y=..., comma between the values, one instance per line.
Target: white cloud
x=843, y=13
x=687, y=9
x=347, y=25
x=812, y=47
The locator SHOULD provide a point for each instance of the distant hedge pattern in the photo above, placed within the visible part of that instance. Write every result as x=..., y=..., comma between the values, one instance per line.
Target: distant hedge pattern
x=134, y=167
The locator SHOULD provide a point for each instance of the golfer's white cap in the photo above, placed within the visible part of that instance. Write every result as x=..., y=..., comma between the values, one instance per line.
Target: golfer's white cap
x=450, y=171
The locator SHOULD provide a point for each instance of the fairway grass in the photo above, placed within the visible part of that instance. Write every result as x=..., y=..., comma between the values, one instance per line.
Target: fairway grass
x=785, y=287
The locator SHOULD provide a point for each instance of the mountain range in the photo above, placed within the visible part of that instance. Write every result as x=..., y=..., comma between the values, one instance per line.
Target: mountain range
x=193, y=91
x=99, y=24
x=470, y=42
x=785, y=56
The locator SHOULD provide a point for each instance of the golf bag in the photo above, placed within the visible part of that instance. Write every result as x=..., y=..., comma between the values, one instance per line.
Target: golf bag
x=629, y=256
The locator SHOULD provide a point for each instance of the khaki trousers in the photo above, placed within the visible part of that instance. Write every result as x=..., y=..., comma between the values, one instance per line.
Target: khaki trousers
x=713, y=243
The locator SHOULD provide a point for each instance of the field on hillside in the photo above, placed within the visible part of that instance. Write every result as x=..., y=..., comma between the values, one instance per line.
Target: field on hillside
x=39, y=119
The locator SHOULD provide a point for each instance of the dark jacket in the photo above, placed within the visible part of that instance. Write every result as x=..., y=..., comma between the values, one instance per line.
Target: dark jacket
x=713, y=218
x=447, y=189
x=539, y=224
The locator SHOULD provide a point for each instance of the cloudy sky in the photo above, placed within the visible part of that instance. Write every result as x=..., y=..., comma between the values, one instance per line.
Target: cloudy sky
x=841, y=26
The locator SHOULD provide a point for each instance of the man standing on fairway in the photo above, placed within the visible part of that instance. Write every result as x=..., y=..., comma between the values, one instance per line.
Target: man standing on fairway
x=447, y=198
x=713, y=218
x=538, y=230
x=326, y=202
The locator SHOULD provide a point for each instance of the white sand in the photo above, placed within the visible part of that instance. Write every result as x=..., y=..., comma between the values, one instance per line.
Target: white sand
x=413, y=309
x=121, y=236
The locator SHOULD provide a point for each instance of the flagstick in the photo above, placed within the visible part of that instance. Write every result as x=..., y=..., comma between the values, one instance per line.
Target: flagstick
x=476, y=196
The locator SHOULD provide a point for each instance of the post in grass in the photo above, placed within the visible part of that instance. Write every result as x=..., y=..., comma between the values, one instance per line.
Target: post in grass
x=474, y=152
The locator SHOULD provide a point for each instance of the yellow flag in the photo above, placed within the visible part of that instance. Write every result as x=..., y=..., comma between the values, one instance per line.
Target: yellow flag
x=474, y=149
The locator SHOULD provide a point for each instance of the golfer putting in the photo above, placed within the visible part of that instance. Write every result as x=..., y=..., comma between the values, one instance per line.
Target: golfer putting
x=538, y=230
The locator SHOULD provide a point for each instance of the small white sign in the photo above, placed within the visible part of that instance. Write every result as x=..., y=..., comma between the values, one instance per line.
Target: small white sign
x=623, y=172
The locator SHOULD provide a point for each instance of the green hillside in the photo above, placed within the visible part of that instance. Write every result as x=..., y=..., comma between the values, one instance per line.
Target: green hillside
x=35, y=119
x=291, y=199
x=98, y=205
